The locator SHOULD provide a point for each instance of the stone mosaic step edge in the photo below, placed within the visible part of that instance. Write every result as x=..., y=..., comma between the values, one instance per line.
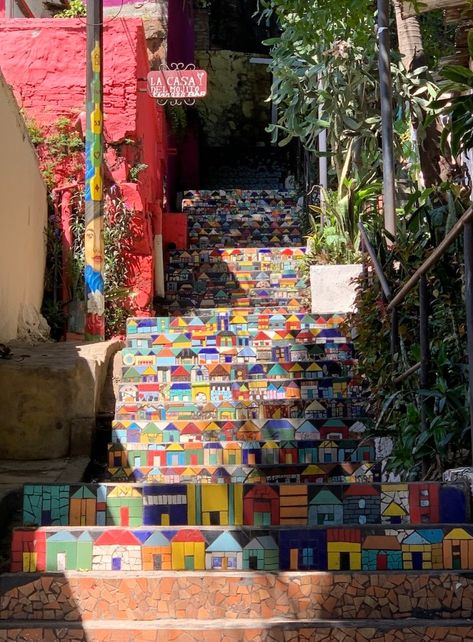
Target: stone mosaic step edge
x=309, y=505
x=159, y=596
x=253, y=631
x=217, y=549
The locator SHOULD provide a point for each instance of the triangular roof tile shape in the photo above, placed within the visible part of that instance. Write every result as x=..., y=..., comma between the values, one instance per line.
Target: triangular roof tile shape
x=120, y=537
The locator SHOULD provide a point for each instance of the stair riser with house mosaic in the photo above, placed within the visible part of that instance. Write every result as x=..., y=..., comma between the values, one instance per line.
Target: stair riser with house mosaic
x=183, y=431
x=370, y=548
x=244, y=504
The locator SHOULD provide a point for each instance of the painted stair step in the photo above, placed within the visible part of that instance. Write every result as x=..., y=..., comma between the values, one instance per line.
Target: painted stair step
x=242, y=320
x=231, y=410
x=228, y=390
x=241, y=194
x=314, y=598
x=271, y=272
x=238, y=255
x=187, y=298
x=225, y=260
x=365, y=472
x=229, y=231
x=229, y=241
x=217, y=549
x=306, y=505
x=216, y=453
x=228, y=319
x=294, y=308
x=239, y=631
x=240, y=372
x=250, y=430
x=246, y=236
x=232, y=341
x=207, y=356
x=212, y=282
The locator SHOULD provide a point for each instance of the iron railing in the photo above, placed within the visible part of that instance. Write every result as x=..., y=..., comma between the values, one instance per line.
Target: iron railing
x=419, y=278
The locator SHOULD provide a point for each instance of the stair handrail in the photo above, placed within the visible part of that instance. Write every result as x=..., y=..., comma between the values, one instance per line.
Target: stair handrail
x=431, y=260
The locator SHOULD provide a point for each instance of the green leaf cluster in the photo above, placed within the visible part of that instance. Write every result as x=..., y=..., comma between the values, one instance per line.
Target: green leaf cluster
x=421, y=449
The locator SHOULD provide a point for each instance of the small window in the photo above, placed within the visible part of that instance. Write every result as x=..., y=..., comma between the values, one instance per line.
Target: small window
x=307, y=557
x=424, y=503
x=362, y=503
x=217, y=562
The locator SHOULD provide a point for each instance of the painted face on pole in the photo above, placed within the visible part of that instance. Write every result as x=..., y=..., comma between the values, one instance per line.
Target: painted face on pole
x=94, y=245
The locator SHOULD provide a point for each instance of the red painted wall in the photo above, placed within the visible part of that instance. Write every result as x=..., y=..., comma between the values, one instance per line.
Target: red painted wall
x=44, y=61
x=175, y=230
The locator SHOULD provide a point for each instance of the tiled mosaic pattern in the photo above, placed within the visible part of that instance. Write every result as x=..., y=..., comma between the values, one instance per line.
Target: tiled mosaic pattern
x=368, y=548
x=235, y=277
x=275, y=633
x=245, y=219
x=215, y=453
x=298, y=596
x=238, y=435
x=244, y=504
x=240, y=410
x=215, y=321
x=260, y=474
x=154, y=432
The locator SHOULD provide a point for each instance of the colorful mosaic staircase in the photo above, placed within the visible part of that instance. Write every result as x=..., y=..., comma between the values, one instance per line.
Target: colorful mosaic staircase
x=241, y=500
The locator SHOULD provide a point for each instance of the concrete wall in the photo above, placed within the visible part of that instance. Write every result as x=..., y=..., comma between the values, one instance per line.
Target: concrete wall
x=23, y=218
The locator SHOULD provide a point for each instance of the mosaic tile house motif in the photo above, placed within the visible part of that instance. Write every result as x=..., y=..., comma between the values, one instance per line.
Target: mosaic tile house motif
x=239, y=437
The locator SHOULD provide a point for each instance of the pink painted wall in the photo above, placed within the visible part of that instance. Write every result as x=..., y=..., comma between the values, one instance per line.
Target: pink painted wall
x=44, y=62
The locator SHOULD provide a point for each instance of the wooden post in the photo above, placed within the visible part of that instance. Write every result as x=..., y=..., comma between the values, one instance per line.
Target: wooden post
x=93, y=242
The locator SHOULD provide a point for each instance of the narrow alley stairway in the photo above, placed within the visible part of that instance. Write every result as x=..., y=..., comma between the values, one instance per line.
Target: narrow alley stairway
x=242, y=501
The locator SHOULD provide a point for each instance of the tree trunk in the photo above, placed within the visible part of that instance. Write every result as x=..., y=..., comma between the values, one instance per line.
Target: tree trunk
x=434, y=167
x=409, y=39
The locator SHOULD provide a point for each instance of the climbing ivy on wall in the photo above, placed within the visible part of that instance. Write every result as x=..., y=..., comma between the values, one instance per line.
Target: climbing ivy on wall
x=118, y=237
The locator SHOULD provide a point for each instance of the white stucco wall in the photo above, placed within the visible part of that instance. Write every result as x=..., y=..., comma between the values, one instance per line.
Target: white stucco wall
x=23, y=218
x=333, y=288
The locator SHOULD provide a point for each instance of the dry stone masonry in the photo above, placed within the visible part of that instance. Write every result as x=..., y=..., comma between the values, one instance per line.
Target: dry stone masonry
x=241, y=499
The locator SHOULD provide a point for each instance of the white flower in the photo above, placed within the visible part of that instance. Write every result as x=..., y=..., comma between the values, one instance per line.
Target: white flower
x=96, y=303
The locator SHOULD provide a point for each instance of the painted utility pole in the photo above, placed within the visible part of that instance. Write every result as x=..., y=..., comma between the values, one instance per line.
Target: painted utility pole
x=93, y=242
x=384, y=46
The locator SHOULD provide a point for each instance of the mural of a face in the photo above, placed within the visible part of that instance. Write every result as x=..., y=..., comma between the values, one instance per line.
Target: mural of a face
x=94, y=245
